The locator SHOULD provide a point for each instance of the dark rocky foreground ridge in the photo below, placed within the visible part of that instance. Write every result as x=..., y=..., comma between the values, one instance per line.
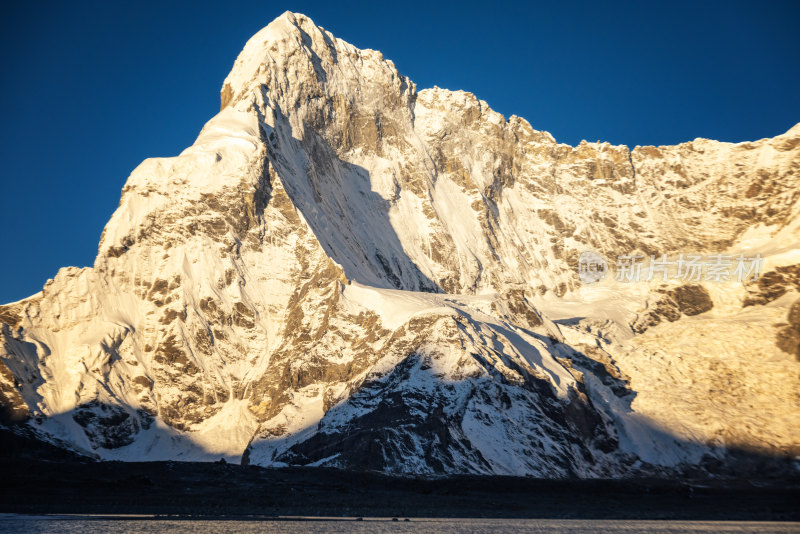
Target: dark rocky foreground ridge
x=41, y=479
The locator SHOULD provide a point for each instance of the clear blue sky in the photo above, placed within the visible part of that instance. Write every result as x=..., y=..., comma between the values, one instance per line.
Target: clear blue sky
x=89, y=89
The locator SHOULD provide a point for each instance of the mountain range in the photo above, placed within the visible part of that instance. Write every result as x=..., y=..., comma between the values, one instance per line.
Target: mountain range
x=347, y=271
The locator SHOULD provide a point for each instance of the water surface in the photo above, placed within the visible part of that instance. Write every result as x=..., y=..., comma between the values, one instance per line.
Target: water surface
x=91, y=525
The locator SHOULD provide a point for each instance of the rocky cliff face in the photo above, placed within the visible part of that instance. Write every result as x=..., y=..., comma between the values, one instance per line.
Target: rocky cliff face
x=346, y=271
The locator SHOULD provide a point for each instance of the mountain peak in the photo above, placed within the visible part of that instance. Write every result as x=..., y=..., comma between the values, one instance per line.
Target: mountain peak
x=291, y=23
x=292, y=50
x=277, y=42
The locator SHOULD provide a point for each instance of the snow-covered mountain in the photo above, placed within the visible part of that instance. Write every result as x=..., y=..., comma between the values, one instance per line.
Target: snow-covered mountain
x=346, y=271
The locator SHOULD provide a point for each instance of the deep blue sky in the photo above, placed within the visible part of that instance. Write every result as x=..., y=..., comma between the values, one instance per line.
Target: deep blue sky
x=89, y=89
